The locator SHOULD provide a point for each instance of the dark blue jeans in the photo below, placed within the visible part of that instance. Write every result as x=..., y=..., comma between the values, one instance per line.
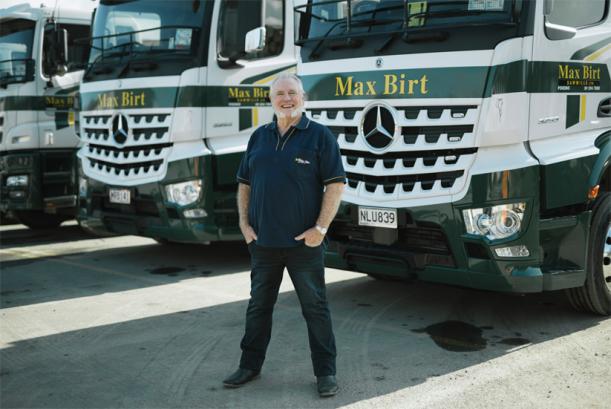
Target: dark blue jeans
x=306, y=269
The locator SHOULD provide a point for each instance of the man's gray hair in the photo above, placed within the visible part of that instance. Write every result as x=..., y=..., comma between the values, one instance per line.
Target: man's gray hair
x=287, y=76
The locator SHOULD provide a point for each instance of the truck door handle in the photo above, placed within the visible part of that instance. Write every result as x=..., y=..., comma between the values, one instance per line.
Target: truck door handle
x=604, y=108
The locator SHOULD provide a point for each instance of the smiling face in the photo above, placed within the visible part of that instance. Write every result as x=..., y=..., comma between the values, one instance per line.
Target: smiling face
x=287, y=98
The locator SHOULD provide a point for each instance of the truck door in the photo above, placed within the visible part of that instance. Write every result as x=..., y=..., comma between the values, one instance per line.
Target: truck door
x=58, y=140
x=568, y=81
x=237, y=100
x=57, y=119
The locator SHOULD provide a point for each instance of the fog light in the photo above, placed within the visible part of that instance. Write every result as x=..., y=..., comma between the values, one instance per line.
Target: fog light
x=82, y=187
x=17, y=194
x=192, y=213
x=496, y=222
x=19, y=180
x=184, y=193
x=512, y=251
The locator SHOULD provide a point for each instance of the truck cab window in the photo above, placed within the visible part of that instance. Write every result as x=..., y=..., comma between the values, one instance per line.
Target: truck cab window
x=578, y=13
x=236, y=20
x=16, y=39
x=78, y=51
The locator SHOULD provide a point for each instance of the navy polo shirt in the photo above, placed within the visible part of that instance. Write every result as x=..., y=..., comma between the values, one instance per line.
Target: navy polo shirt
x=287, y=175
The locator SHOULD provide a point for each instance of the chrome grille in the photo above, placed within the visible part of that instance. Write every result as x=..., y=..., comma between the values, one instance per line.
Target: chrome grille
x=431, y=152
x=141, y=154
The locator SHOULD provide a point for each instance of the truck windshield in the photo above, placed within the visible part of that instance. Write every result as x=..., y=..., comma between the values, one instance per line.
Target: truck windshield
x=340, y=24
x=151, y=29
x=16, y=38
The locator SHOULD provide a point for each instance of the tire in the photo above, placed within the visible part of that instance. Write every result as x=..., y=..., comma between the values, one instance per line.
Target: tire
x=36, y=219
x=595, y=295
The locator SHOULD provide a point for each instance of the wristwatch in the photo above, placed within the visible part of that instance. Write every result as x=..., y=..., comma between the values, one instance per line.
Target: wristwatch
x=321, y=230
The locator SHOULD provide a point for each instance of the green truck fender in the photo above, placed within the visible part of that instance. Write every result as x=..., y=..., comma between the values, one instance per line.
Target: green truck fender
x=600, y=170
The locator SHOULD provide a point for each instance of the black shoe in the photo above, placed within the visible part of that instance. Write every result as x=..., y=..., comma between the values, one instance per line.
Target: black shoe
x=327, y=386
x=240, y=377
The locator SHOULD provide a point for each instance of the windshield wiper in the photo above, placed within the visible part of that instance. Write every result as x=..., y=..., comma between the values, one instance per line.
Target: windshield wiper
x=137, y=65
x=100, y=58
x=8, y=78
x=11, y=79
x=314, y=52
x=371, y=22
x=407, y=33
x=351, y=40
x=437, y=33
x=132, y=48
x=5, y=77
x=414, y=37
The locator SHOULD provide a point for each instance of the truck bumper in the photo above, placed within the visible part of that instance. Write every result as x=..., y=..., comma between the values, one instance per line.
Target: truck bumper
x=517, y=280
x=150, y=214
x=51, y=181
x=432, y=245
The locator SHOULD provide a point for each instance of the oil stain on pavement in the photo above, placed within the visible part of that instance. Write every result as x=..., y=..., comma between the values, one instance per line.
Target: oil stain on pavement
x=455, y=336
x=458, y=336
x=169, y=271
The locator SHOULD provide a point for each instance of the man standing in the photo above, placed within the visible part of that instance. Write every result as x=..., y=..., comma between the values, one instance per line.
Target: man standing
x=290, y=184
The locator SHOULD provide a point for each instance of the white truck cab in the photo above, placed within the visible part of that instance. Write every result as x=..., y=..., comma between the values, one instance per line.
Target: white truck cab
x=476, y=138
x=41, y=64
x=168, y=103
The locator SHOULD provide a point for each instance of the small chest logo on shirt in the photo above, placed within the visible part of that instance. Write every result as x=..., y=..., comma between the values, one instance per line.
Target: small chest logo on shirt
x=302, y=161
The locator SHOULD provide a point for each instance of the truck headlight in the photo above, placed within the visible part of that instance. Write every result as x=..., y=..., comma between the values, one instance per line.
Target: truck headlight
x=184, y=193
x=496, y=222
x=19, y=180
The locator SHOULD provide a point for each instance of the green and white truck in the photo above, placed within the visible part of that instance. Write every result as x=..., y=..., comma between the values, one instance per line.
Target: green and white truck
x=41, y=64
x=171, y=96
x=476, y=138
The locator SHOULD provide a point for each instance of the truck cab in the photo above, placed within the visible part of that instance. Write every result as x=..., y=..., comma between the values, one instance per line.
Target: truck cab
x=475, y=136
x=167, y=105
x=41, y=64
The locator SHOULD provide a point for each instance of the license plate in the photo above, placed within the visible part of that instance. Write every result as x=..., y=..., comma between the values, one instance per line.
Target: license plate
x=121, y=196
x=378, y=217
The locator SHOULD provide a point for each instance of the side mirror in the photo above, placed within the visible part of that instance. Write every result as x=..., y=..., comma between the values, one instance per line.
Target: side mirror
x=558, y=32
x=67, y=80
x=303, y=20
x=62, y=50
x=255, y=40
x=56, y=46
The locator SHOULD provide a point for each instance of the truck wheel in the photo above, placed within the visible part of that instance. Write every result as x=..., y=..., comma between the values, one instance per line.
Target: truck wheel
x=595, y=295
x=36, y=219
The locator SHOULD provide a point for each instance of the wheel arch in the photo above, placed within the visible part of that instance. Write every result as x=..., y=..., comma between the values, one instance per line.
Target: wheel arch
x=601, y=171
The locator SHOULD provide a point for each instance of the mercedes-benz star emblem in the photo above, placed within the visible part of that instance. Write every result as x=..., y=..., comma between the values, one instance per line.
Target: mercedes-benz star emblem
x=378, y=127
x=120, y=129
